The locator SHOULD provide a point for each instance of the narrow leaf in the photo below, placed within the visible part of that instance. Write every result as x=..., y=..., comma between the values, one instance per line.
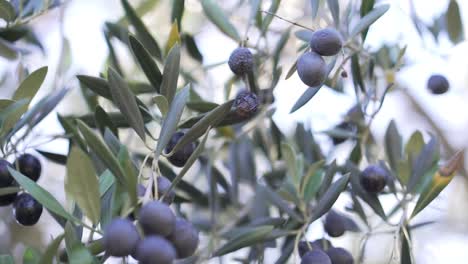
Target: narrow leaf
x=329, y=197
x=146, y=62
x=197, y=130
x=393, y=145
x=103, y=152
x=51, y=250
x=454, y=22
x=29, y=87
x=256, y=235
x=217, y=16
x=334, y=7
x=439, y=181
x=369, y=19
x=142, y=32
x=126, y=101
x=82, y=184
x=169, y=125
x=171, y=73
x=41, y=195
x=7, y=11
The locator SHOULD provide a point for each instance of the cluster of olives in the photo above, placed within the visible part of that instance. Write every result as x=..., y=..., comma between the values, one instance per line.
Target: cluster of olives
x=438, y=84
x=166, y=237
x=26, y=209
x=311, y=67
x=321, y=251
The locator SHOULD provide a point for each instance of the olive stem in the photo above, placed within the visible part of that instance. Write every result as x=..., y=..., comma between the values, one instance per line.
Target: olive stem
x=289, y=21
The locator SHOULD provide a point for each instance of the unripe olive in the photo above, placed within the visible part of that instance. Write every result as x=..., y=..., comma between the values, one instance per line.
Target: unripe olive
x=26, y=209
x=184, y=238
x=120, y=238
x=163, y=186
x=241, y=61
x=6, y=180
x=334, y=224
x=246, y=104
x=340, y=256
x=326, y=42
x=311, y=68
x=374, y=178
x=438, y=84
x=29, y=166
x=156, y=218
x=316, y=256
x=155, y=249
x=180, y=157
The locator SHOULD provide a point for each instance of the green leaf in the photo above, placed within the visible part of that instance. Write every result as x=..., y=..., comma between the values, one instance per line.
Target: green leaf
x=279, y=202
x=169, y=125
x=51, y=250
x=268, y=17
x=314, y=7
x=291, y=70
x=192, y=47
x=219, y=18
x=126, y=101
x=454, y=22
x=142, y=33
x=279, y=47
x=177, y=11
x=197, y=130
x=41, y=195
x=369, y=19
x=305, y=98
x=103, y=121
x=12, y=114
x=290, y=157
x=76, y=251
x=131, y=174
x=256, y=235
x=7, y=11
x=366, y=7
x=174, y=37
x=103, y=152
x=162, y=104
x=334, y=7
x=393, y=145
x=426, y=160
x=9, y=190
x=39, y=111
x=82, y=184
x=8, y=50
x=146, y=62
x=29, y=87
x=311, y=181
x=440, y=179
x=7, y=259
x=31, y=256
x=329, y=197
x=171, y=73
x=357, y=75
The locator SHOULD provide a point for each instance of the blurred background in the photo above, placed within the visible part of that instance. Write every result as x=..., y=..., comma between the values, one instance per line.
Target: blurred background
x=73, y=41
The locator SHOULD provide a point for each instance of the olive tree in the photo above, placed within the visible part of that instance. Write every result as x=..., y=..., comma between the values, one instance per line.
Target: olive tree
x=160, y=173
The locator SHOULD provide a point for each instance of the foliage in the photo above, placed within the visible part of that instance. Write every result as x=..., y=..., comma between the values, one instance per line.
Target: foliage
x=300, y=183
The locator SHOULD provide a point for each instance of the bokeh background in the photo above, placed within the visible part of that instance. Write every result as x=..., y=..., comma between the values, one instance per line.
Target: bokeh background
x=74, y=44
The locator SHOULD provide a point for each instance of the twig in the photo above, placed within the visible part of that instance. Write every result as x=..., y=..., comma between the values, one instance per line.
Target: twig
x=289, y=21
